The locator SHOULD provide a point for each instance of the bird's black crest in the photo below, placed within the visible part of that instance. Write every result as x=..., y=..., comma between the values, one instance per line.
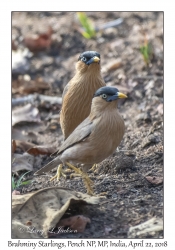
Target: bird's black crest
x=106, y=90
x=89, y=55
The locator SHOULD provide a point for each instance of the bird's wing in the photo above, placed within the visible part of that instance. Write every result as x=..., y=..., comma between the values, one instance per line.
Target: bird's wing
x=81, y=132
x=49, y=166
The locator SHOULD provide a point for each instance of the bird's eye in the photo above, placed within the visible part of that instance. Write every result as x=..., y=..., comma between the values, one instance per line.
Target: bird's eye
x=104, y=96
x=84, y=59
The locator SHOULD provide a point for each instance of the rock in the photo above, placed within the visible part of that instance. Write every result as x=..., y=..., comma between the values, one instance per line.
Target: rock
x=143, y=118
x=150, y=139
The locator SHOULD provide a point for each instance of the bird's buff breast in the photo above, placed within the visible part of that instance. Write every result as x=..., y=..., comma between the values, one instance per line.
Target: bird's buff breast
x=77, y=104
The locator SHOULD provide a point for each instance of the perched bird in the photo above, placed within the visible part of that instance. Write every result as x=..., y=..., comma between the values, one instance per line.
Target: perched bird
x=93, y=140
x=78, y=93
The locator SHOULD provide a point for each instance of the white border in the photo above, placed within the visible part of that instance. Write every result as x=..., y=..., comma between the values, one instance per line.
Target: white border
x=5, y=96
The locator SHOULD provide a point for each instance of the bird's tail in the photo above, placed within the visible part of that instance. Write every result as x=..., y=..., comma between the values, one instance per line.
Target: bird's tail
x=49, y=166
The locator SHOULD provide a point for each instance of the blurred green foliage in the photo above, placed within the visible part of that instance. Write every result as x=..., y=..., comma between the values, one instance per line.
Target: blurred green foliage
x=146, y=51
x=88, y=27
x=19, y=182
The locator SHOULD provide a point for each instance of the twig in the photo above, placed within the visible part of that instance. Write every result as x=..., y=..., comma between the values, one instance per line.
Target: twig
x=109, y=24
x=22, y=100
x=36, y=97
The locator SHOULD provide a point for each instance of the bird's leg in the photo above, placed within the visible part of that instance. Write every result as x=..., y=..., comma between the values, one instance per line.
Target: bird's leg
x=85, y=177
x=59, y=173
x=74, y=175
x=93, y=167
x=77, y=173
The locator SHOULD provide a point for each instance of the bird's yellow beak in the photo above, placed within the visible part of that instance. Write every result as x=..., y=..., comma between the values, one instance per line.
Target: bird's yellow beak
x=121, y=95
x=96, y=59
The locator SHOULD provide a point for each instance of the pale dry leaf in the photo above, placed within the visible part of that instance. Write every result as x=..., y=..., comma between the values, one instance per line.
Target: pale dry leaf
x=33, y=149
x=42, y=150
x=146, y=228
x=156, y=180
x=27, y=113
x=23, y=135
x=21, y=162
x=24, y=145
x=44, y=208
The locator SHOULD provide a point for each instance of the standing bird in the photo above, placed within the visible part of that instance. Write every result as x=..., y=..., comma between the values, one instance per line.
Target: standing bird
x=78, y=93
x=95, y=139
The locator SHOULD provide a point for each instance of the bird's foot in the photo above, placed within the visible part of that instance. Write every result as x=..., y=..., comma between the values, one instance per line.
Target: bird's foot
x=103, y=194
x=90, y=190
x=59, y=173
x=94, y=167
x=77, y=170
x=74, y=175
x=87, y=181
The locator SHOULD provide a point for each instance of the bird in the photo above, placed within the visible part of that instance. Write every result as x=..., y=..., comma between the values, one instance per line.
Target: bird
x=94, y=139
x=77, y=95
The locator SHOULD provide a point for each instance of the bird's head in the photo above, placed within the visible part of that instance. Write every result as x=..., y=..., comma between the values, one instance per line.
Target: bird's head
x=88, y=60
x=109, y=94
x=106, y=97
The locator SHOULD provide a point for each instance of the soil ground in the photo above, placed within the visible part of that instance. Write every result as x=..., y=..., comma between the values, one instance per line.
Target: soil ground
x=131, y=180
